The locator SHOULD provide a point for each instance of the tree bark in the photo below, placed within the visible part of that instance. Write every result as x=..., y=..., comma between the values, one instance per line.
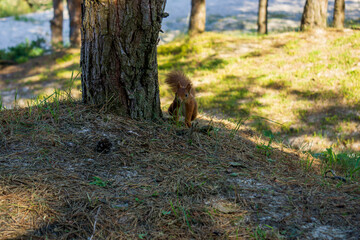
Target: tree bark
x=197, y=17
x=339, y=14
x=263, y=17
x=56, y=24
x=314, y=15
x=118, y=55
x=74, y=7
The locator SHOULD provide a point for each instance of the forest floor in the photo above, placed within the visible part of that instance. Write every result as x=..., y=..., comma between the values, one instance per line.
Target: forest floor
x=69, y=171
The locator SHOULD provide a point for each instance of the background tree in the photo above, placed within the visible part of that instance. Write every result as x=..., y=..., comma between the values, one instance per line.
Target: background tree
x=262, y=17
x=56, y=24
x=197, y=17
x=118, y=55
x=314, y=15
x=339, y=13
x=74, y=7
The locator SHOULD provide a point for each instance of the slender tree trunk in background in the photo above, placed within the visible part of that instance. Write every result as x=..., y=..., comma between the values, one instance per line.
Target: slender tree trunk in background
x=314, y=15
x=263, y=17
x=197, y=17
x=56, y=24
x=339, y=14
x=74, y=7
x=118, y=55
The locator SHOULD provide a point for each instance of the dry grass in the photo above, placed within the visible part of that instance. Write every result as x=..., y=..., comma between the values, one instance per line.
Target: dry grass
x=159, y=181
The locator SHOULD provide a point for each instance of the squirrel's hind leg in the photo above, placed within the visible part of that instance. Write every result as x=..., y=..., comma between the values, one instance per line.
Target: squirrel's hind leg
x=195, y=111
x=189, y=114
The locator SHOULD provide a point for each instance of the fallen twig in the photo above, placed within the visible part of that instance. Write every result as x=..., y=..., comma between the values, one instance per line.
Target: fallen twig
x=96, y=218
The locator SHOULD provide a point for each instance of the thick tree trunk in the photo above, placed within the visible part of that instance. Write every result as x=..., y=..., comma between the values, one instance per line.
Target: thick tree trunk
x=118, y=55
x=74, y=7
x=197, y=17
x=339, y=14
x=262, y=17
x=314, y=15
x=56, y=24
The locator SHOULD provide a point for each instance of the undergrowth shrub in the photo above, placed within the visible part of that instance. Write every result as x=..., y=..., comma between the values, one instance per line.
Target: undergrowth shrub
x=24, y=51
x=349, y=163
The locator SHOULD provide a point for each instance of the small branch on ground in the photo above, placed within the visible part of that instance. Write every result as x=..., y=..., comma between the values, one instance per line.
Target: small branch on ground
x=96, y=218
x=335, y=177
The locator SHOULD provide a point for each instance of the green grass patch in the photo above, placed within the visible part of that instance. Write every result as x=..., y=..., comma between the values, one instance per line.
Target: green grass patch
x=67, y=57
x=347, y=162
x=19, y=7
x=195, y=54
x=24, y=51
x=352, y=40
x=292, y=47
x=282, y=83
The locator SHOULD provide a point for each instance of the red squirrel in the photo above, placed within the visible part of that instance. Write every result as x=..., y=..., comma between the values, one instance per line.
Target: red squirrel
x=184, y=97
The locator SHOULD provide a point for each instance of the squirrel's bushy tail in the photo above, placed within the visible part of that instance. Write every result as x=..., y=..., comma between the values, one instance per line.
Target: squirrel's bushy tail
x=175, y=77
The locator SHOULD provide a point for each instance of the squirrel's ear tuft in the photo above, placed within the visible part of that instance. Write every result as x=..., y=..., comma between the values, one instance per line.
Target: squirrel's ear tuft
x=188, y=87
x=178, y=85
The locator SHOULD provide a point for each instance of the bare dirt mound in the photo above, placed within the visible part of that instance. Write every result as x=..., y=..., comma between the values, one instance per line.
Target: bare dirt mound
x=71, y=172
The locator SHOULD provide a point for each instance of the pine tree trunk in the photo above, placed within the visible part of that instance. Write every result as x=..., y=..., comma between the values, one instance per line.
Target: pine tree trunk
x=314, y=15
x=56, y=24
x=197, y=17
x=262, y=17
x=118, y=55
x=339, y=14
x=74, y=7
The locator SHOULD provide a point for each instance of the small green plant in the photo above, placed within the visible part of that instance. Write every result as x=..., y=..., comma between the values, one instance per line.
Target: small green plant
x=266, y=148
x=23, y=51
x=16, y=96
x=65, y=58
x=173, y=209
x=139, y=201
x=155, y=194
x=99, y=182
x=49, y=104
x=349, y=163
x=237, y=127
x=186, y=218
x=292, y=47
x=265, y=232
x=330, y=157
x=166, y=213
x=24, y=19
x=259, y=233
x=1, y=104
x=177, y=210
x=142, y=235
x=307, y=163
x=216, y=132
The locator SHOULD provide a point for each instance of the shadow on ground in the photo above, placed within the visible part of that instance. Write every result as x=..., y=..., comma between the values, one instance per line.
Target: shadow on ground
x=39, y=77
x=159, y=181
